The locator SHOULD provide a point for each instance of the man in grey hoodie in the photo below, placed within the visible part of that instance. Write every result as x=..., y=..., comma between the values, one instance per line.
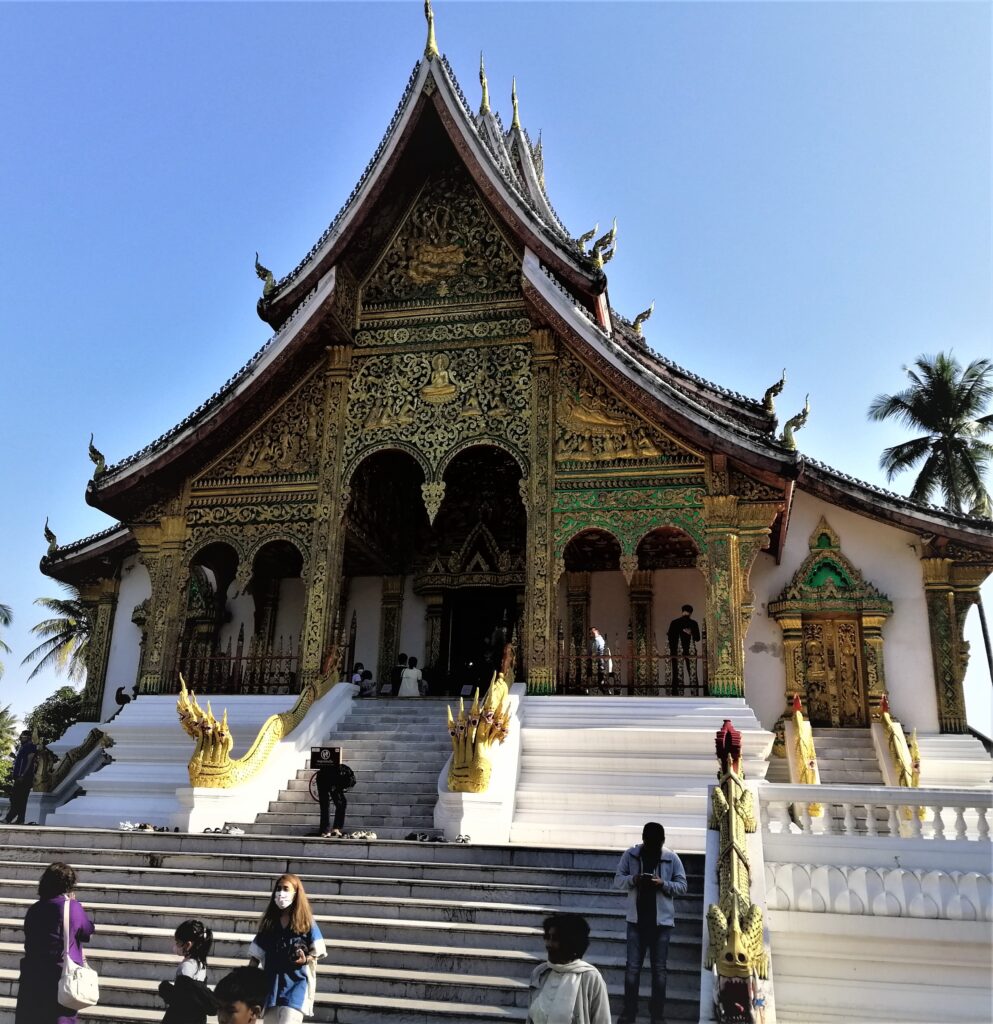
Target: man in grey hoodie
x=652, y=875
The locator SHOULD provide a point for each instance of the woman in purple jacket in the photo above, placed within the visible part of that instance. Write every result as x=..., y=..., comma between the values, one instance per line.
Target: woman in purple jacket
x=41, y=965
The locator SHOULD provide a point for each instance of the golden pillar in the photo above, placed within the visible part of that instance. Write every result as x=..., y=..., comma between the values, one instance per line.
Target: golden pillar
x=642, y=673
x=433, y=619
x=101, y=601
x=391, y=618
x=538, y=639
x=875, y=669
x=725, y=643
x=946, y=612
x=161, y=551
x=324, y=591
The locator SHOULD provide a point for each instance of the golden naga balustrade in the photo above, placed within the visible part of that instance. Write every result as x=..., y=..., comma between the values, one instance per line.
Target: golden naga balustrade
x=736, y=950
x=906, y=759
x=211, y=765
x=473, y=736
x=805, y=755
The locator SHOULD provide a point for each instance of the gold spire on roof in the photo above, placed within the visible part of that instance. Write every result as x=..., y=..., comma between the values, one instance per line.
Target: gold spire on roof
x=431, y=46
x=484, y=105
x=516, y=123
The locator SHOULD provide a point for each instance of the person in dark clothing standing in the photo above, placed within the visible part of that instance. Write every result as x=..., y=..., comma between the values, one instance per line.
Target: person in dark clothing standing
x=332, y=781
x=396, y=674
x=652, y=875
x=22, y=774
x=680, y=633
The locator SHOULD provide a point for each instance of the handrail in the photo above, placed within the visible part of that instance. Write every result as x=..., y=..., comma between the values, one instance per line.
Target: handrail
x=53, y=770
x=906, y=762
x=968, y=811
x=211, y=765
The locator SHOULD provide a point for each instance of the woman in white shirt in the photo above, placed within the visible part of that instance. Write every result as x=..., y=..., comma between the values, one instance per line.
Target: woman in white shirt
x=565, y=989
x=410, y=680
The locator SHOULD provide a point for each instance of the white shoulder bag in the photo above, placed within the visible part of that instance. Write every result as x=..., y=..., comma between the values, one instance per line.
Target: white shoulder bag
x=79, y=986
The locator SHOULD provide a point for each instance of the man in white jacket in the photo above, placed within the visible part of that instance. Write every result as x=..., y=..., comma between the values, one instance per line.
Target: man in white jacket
x=652, y=875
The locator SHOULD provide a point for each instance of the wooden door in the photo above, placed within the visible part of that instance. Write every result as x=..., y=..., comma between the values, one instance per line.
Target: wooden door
x=832, y=649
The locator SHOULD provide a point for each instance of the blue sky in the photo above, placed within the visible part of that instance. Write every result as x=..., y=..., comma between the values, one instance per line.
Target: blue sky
x=798, y=184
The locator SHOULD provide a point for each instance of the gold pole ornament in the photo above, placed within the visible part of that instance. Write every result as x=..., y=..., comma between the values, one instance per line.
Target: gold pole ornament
x=474, y=734
x=431, y=46
x=211, y=765
x=484, y=105
x=735, y=951
x=805, y=754
x=516, y=122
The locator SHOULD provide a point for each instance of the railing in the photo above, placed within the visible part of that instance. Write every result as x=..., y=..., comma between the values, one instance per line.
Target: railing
x=871, y=811
x=223, y=675
x=648, y=675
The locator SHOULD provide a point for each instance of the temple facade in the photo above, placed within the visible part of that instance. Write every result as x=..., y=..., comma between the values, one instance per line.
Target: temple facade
x=452, y=442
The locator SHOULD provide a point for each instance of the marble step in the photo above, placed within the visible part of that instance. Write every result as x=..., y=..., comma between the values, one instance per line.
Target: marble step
x=411, y=819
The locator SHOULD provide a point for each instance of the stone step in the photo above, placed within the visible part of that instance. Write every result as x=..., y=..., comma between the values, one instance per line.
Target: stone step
x=424, y=819
x=426, y=789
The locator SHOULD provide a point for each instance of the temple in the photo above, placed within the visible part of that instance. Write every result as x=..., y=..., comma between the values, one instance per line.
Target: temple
x=454, y=448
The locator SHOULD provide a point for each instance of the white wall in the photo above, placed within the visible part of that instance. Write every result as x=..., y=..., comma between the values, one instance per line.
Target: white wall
x=365, y=595
x=290, y=611
x=887, y=558
x=242, y=612
x=125, y=637
x=610, y=609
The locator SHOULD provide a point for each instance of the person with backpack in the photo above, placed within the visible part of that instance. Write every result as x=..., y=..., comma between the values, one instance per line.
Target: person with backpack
x=333, y=779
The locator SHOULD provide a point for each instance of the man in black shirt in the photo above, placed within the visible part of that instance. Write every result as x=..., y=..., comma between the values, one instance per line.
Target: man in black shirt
x=332, y=781
x=681, y=631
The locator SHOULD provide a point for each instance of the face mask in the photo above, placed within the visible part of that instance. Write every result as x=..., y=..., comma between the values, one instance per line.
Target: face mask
x=283, y=899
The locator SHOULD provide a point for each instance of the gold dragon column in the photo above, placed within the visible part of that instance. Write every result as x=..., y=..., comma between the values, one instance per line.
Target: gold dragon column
x=539, y=598
x=327, y=548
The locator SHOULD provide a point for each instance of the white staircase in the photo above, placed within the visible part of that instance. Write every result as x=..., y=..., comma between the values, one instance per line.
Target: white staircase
x=396, y=747
x=954, y=761
x=595, y=769
x=417, y=933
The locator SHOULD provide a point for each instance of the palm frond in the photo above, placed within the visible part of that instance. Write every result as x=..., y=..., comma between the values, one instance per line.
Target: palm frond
x=6, y=615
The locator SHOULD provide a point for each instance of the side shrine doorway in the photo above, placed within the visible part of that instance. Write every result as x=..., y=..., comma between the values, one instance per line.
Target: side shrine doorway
x=435, y=570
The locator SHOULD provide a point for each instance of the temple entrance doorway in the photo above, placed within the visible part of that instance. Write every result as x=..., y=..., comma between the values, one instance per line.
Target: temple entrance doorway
x=479, y=622
x=834, y=673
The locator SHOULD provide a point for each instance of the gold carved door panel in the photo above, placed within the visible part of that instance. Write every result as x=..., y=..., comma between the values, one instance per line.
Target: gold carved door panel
x=832, y=650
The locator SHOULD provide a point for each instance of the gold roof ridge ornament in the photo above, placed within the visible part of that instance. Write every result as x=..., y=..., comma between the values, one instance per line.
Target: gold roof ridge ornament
x=516, y=122
x=605, y=247
x=584, y=240
x=431, y=46
x=793, y=424
x=265, y=275
x=642, y=317
x=772, y=393
x=53, y=541
x=96, y=457
x=484, y=103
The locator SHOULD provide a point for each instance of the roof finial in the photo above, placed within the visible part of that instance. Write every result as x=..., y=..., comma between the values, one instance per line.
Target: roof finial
x=516, y=123
x=605, y=247
x=642, y=317
x=53, y=542
x=484, y=106
x=431, y=46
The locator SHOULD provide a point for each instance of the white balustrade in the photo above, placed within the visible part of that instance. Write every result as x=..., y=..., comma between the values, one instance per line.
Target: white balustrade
x=945, y=815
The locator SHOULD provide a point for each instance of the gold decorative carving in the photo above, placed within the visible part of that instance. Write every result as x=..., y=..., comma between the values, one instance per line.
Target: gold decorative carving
x=404, y=400
x=448, y=250
x=434, y=495
x=456, y=327
x=595, y=427
x=473, y=736
x=287, y=442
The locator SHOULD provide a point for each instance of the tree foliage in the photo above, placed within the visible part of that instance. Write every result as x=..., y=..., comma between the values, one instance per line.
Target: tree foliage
x=53, y=716
x=6, y=617
x=948, y=405
x=67, y=636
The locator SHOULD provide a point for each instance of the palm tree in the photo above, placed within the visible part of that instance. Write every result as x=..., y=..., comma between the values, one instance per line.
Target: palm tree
x=67, y=636
x=949, y=405
x=8, y=730
x=6, y=616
